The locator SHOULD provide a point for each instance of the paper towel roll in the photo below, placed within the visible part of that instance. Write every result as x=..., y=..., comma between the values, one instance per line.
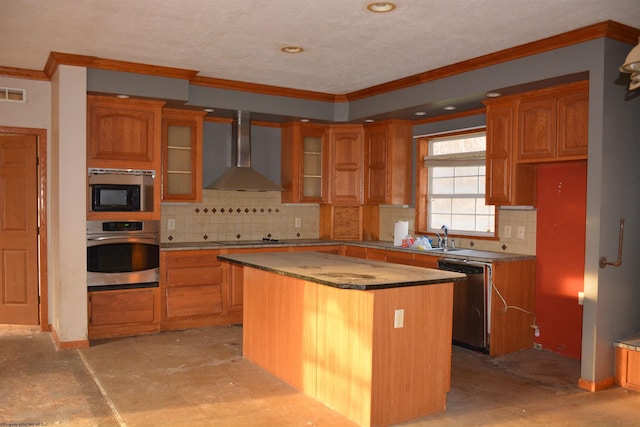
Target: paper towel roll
x=400, y=231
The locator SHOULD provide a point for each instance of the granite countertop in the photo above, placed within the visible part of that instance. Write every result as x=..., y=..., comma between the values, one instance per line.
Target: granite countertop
x=458, y=253
x=341, y=271
x=630, y=343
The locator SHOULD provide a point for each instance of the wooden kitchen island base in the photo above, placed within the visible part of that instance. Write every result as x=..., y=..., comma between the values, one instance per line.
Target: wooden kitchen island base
x=340, y=346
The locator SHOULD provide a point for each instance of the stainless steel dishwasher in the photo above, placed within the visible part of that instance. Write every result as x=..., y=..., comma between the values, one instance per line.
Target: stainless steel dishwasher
x=470, y=315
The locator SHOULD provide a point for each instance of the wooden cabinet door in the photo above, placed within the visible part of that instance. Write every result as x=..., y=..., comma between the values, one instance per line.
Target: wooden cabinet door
x=500, y=132
x=387, y=163
x=375, y=164
x=346, y=164
x=507, y=183
x=304, y=157
x=537, y=124
x=115, y=313
x=182, y=155
x=123, y=133
x=573, y=124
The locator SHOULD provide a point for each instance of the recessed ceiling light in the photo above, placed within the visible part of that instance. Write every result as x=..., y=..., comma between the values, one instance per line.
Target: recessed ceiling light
x=123, y=96
x=292, y=49
x=493, y=94
x=381, y=6
x=208, y=110
x=420, y=113
x=449, y=108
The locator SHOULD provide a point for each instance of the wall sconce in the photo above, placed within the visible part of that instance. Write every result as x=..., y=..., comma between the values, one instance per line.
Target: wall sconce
x=632, y=65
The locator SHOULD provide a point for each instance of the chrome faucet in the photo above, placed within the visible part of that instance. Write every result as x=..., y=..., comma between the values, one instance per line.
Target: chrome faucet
x=445, y=241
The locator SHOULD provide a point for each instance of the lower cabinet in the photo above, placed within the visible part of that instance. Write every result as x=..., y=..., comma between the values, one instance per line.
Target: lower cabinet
x=194, y=292
x=116, y=313
x=510, y=330
x=628, y=368
x=198, y=290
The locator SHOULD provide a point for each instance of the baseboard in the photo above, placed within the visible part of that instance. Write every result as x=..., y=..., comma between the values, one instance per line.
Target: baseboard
x=67, y=345
x=594, y=386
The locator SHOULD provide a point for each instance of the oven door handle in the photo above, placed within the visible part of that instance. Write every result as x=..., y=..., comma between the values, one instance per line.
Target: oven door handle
x=149, y=239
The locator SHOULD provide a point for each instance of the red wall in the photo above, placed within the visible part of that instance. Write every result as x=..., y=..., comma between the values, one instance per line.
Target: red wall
x=560, y=245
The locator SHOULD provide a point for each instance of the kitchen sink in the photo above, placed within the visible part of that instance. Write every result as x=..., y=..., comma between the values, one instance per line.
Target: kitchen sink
x=443, y=249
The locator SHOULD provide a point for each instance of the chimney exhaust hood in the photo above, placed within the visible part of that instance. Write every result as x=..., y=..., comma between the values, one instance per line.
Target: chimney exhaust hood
x=242, y=177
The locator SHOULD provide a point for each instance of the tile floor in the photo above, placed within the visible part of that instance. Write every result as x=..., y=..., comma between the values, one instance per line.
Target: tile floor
x=199, y=378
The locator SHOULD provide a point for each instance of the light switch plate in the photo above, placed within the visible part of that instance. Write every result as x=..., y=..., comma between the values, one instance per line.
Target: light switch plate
x=507, y=231
x=521, y=232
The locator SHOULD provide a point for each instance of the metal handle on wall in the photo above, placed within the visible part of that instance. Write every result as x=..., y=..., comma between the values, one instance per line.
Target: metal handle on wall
x=618, y=263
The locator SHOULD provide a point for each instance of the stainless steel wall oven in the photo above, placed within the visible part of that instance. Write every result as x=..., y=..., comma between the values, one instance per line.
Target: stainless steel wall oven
x=123, y=254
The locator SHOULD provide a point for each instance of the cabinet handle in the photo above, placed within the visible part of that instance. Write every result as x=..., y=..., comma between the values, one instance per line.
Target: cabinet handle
x=618, y=263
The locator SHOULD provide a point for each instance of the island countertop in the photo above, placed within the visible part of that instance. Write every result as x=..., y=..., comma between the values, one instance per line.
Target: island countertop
x=342, y=271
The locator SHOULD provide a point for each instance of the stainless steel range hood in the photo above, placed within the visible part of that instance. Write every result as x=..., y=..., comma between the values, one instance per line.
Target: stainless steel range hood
x=242, y=177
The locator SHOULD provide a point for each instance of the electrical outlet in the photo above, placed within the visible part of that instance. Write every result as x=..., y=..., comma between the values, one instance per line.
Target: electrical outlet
x=171, y=224
x=521, y=232
x=298, y=222
x=507, y=231
x=398, y=319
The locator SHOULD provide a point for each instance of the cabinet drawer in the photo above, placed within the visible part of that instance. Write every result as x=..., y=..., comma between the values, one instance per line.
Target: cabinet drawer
x=187, y=259
x=193, y=301
x=194, y=276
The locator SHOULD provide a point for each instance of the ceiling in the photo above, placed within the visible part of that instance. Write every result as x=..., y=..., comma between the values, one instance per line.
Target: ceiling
x=346, y=47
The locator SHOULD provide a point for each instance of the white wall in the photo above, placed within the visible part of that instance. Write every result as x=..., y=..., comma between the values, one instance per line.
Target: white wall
x=35, y=113
x=68, y=203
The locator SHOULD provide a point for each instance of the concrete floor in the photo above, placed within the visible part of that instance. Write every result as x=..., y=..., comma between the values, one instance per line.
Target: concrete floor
x=199, y=378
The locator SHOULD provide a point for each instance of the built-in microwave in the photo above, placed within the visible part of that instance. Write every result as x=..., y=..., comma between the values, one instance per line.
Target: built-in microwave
x=120, y=190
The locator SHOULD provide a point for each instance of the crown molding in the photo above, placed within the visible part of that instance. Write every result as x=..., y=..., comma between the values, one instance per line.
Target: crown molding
x=58, y=58
x=265, y=89
x=610, y=29
x=23, y=73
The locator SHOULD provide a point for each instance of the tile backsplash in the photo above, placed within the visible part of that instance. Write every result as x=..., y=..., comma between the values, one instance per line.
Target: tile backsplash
x=238, y=215
x=244, y=215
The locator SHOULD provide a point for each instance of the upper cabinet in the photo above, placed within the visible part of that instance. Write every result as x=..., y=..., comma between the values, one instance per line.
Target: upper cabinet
x=182, y=155
x=346, y=164
x=387, y=163
x=546, y=125
x=304, y=163
x=123, y=133
x=507, y=183
x=553, y=124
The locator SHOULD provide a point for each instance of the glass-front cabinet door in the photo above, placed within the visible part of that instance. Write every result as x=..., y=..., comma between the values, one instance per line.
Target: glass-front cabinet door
x=182, y=148
x=312, y=157
x=304, y=163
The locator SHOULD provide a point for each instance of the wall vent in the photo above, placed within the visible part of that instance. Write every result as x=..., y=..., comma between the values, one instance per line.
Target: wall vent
x=13, y=95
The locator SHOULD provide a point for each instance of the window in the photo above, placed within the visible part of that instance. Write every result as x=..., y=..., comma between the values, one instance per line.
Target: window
x=455, y=176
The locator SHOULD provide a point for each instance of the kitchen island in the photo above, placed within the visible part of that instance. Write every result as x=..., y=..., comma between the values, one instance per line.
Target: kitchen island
x=370, y=339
